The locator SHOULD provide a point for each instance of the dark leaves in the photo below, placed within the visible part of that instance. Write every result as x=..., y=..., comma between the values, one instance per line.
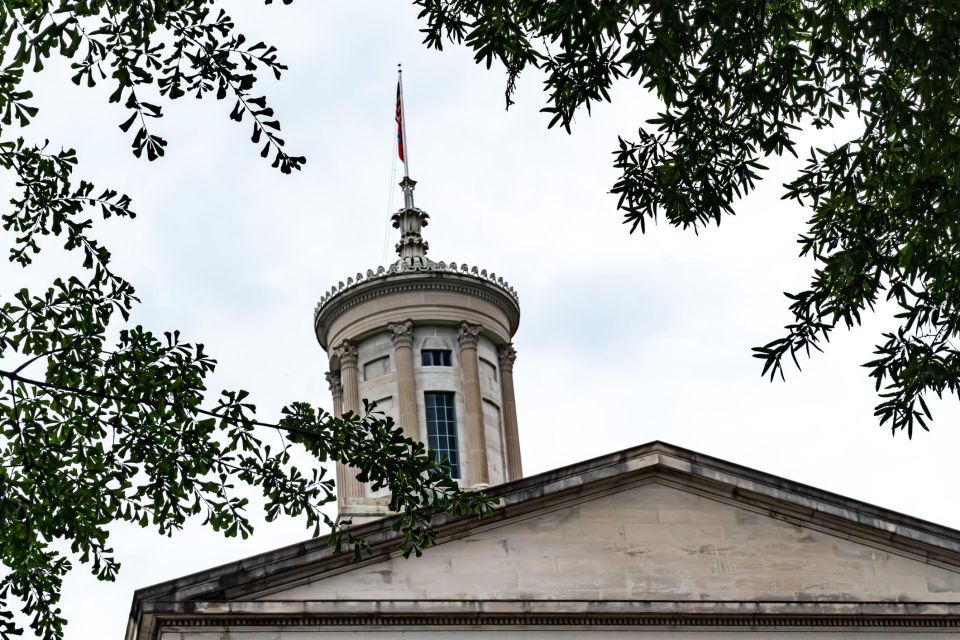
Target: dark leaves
x=94, y=430
x=737, y=81
x=170, y=48
x=101, y=421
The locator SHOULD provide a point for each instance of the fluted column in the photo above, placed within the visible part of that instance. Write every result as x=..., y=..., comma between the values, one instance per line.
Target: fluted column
x=477, y=473
x=349, y=486
x=347, y=353
x=402, y=333
x=510, y=431
x=336, y=391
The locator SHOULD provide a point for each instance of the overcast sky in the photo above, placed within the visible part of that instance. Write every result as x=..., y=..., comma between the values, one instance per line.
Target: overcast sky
x=623, y=339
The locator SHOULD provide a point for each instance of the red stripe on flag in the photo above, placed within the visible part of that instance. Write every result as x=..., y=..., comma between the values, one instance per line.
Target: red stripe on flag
x=399, y=119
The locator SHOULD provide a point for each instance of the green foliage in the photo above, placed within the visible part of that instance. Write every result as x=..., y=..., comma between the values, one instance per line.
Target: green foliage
x=738, y=79
x=95, y=430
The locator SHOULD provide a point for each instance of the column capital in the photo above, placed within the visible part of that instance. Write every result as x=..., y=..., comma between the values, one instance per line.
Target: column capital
x=469, y=335
x=346, y=351
x=508, y=355
x=401, y=333
x=333, y=379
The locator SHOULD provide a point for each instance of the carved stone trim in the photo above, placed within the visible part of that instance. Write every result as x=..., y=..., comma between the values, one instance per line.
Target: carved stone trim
x=507, y=355
x=468, y=335
x=415, y=246
x=401, y=280
x=346, y=351
x=716, y=621
x=418, y=264
x=478, y=472
x=725, y=482
x=325, y=318
x=401, y=333
x=333, y=380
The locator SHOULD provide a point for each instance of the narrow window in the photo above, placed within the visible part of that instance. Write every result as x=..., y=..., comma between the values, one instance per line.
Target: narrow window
x=436, y=358
x=442, y=429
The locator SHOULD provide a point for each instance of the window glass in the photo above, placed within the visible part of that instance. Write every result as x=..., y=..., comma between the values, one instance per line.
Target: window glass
x=436, y=358
x=442, y=428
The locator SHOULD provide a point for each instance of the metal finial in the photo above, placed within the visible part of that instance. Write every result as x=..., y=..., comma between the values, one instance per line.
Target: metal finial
x=408, y=220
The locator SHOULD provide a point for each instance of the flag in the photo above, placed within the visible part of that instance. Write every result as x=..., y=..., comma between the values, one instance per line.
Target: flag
x=399, y=119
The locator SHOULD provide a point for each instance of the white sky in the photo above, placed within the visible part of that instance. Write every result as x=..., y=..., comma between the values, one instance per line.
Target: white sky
x=623, y=339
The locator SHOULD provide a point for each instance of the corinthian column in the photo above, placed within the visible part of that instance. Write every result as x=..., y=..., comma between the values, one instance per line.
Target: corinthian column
x=402, y=334
x=336, y=390
x=347, y=483
x=477, y=473
x=347, y=353
x=510, y=431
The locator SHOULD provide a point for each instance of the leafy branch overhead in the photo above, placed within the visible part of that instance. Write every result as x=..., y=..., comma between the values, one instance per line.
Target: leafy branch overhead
x=739, y=81
x=96, y=429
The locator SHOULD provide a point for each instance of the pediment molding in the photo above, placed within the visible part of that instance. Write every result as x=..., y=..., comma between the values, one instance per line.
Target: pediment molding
x=407, y=615
x=656, y=462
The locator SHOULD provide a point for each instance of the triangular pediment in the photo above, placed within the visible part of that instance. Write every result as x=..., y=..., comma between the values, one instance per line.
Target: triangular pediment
x=662, y=531
x=655, y=541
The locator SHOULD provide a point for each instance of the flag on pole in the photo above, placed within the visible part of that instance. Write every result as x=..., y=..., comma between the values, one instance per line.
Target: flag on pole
x=399, y=119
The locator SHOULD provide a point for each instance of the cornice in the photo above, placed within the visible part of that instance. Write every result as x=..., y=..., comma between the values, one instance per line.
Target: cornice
x=404, y=281
x=547, y=614
x=417, y=266
x=533, y=620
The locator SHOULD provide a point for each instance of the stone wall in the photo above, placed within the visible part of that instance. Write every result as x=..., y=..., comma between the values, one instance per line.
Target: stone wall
x=377, y=382
x=651, y=542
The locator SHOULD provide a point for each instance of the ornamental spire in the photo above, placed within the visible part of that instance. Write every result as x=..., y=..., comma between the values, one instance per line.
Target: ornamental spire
x=409, y=220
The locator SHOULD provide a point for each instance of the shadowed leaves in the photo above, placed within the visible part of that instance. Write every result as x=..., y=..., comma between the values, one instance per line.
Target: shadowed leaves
x=738, y=81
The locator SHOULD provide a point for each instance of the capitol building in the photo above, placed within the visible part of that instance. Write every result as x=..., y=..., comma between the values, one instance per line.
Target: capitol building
x=650, y=542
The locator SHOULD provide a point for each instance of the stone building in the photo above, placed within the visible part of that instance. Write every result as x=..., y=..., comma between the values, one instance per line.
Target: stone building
x=430, y=343
x=649, y=542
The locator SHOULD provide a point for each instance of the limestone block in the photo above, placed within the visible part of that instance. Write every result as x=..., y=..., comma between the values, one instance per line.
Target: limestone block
x=649, y=542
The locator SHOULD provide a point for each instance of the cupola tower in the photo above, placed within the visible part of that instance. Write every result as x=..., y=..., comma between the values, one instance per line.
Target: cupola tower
x=430, y=343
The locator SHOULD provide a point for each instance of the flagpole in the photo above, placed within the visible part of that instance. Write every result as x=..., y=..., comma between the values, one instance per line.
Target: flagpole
x=403, y=126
